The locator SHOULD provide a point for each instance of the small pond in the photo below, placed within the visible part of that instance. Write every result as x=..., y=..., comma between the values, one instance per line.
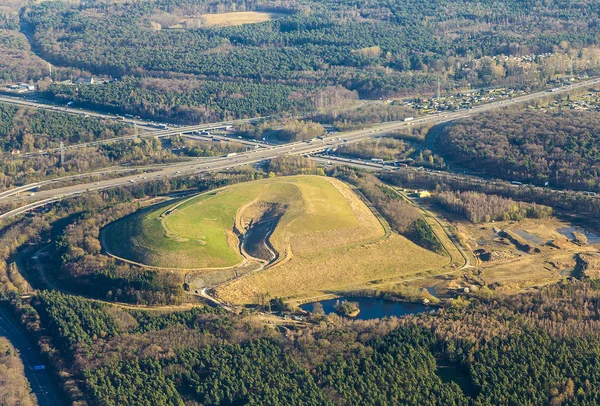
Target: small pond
x=373, y=308
x=568, y=232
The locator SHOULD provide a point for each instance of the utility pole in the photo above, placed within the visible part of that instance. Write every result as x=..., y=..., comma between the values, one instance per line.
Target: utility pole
x=50, y=69
x=62, y=153
x=438, y=92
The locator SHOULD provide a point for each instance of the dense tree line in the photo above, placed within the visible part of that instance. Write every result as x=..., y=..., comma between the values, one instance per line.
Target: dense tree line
x=479, y=207
x=294, y=165
x=18, y=170
x=210, y=148
x=286, y=130
x=317, y=55
x=348, y=119
x=18, y=63
x=561, y=148
x=385, y=148
x=28, y=130
x=188, y=101
x=579, y=204
x=73, y=320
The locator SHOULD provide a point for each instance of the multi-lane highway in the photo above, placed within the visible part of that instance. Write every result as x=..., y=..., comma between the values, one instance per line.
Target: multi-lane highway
x=32, y=103
x=157, y=134
x=40, y=380
x=258, y=154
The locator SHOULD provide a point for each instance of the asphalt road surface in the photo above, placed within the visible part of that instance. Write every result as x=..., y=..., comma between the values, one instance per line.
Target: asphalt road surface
x=41, y=382
x=260, y=154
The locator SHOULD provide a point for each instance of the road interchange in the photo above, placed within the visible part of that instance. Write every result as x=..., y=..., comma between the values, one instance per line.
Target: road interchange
x=255, y=155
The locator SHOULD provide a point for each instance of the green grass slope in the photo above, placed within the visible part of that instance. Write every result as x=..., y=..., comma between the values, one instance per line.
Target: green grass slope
x=198, y=233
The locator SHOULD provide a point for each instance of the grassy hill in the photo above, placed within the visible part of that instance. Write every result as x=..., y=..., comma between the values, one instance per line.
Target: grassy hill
x=201, y=232
x=320, y=237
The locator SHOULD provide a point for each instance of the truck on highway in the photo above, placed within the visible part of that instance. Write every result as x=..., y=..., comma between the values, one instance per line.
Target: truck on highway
x=231, y=154
x=377, y=160
x=409, y=119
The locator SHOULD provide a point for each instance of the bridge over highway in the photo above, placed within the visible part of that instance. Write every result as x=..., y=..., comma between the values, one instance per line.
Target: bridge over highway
x=255, y=155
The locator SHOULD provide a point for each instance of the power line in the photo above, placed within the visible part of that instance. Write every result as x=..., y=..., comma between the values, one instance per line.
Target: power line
x=62, y=153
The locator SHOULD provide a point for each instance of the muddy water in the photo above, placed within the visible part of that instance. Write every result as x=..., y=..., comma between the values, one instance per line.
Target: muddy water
x=568, y=232
x=256, y=240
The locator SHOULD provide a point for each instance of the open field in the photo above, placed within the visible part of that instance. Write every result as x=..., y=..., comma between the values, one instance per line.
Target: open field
x=315, y=214
x=238, y=18
x=173, y=21
x=337, y=270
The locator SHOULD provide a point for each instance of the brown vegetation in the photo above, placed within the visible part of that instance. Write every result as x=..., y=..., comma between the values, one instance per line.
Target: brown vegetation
x=479, y=207
x=385, y=148
x=559, y=148
x=14, y=388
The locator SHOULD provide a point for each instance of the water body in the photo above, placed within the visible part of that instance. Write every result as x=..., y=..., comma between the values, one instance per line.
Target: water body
x=256, y=240
x=568, y=232
x=373, y=308
x=566, y=272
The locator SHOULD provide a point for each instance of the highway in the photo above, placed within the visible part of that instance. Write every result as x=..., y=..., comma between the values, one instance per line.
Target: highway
x=40, y=381
x=258, y=154
x=21, y=100
x=157, y=134
x=439, y=118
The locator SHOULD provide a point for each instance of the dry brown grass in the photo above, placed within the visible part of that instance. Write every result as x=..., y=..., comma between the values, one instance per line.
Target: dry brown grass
x=238, y=18
x=368, y=227
x=14, y=388
x=334, y=270
x=521, y=270
x=177, y=21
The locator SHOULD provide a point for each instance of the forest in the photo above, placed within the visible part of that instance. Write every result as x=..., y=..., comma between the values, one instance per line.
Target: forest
x=315, y=56
x=584, y=205
x=536, y=348
x=385, y=148
x=561, y=148
x=479, y=207
x=286, y=130
x=27, y=130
